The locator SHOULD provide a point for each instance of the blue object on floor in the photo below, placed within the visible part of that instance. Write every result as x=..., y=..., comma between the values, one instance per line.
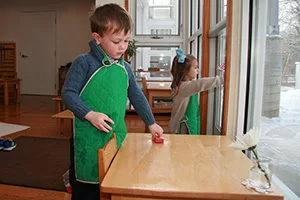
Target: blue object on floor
x=1, y=144
x=7, y=145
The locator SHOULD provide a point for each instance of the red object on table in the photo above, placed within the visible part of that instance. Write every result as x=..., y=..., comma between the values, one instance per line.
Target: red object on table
x=158, y=140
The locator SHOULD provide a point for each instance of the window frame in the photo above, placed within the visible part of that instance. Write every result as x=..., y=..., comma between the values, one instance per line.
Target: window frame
x=133, y=11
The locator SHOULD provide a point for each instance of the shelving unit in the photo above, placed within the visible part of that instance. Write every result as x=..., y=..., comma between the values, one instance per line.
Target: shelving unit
x=158, y=104
x=154, y=75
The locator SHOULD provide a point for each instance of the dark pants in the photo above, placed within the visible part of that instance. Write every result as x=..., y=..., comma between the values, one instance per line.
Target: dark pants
x=81, y=191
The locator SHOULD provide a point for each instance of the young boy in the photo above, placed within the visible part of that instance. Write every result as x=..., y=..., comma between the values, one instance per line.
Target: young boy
x=96, y=90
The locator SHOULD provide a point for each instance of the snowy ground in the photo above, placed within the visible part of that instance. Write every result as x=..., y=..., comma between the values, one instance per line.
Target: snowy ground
x=281, y=140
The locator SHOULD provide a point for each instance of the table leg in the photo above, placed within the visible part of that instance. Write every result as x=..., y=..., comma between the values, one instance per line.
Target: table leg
x=151, y=100
x=5, y=93
x=59, y=121
x=18, y=92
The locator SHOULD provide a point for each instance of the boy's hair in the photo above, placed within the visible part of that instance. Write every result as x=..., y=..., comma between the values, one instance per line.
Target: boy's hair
x=110, y=18
x=180, y=70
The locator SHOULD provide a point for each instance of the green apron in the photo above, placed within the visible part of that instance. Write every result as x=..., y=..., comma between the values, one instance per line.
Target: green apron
x=105, y=92
x=191, y=118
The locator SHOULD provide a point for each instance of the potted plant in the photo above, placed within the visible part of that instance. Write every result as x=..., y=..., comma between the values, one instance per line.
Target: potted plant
x=131, y=50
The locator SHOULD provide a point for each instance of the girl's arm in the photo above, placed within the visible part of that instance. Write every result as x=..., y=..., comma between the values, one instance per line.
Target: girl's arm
x=188, y=88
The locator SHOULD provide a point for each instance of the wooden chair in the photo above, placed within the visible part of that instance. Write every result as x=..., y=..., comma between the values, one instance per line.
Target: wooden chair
x=161, y=120
x=8, y=70
x=105, y=158
x=144, y=87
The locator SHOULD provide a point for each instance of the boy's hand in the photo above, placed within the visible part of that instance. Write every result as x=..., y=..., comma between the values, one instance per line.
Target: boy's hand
x=155, y=130
x=99, y=120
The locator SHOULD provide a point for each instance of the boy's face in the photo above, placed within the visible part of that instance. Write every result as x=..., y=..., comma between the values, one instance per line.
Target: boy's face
x=114, y=44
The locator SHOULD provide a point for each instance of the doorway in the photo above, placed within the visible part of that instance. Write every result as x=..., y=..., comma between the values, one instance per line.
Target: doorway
x=37, y=52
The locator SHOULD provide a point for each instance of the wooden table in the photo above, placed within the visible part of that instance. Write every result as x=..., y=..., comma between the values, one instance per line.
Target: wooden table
x=59, y=104
x=60, y=107
x=159, y=90
x=10, y=81
x=60, y=116
x=184, y=167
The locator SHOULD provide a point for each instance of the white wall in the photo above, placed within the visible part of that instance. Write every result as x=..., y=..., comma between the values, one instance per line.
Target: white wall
x=72, y=28
x=102, y=2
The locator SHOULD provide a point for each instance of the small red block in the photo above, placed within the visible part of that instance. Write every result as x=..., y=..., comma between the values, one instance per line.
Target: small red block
x=69, y=189
x=158, y=140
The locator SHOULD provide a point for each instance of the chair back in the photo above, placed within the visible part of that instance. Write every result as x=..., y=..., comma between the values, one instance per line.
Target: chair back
x=8, y=60
x=105, y=158
x=145, y=88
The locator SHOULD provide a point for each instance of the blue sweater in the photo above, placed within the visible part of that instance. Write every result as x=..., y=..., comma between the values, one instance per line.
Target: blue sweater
x=82, y=69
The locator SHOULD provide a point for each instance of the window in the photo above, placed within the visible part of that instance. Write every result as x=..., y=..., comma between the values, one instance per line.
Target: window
x=222, y=9
x=273, y=94
x=161, y=13
x=194, y=16
x=161, y=31
x=156, y=29
x=157, y=17
x=155, y=62
x=219, y=91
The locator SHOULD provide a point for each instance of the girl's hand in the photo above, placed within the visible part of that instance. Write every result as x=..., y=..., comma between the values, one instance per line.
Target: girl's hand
x=156, y=130
x=99, y=120
x=221, y=68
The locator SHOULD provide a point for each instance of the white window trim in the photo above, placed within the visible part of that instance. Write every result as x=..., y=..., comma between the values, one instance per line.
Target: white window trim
x=257, y=63
x=243, y=68
x=238, y=68
x=216, y=29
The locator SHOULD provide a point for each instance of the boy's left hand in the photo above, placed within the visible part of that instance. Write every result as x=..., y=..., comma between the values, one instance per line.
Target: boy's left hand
x=156, y=130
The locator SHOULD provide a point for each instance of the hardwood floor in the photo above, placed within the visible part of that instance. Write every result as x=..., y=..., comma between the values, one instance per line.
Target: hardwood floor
x=36, y=112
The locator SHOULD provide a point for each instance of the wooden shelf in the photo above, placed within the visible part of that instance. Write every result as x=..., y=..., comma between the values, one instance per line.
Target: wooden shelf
x=155, y=80
x=147, y=71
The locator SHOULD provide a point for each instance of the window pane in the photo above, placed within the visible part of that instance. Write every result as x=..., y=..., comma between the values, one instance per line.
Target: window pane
x=193, y=48
x=280, y=110
x=200, y=11
x=199, y=50
x=193, y=16
x=157, y=17
x=155, y=62
x=220, y=91
x=223, y=9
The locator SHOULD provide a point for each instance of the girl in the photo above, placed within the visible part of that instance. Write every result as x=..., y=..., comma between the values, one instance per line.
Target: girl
x=185, y=115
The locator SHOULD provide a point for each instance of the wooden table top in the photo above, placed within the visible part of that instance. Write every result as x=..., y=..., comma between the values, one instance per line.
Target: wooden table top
x=185, y=166
x=161, y=86
x=66, y=114
x=57, y=98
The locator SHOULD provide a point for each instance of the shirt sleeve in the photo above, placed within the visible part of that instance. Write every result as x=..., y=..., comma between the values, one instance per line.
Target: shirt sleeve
x=74, y=82
x=189, y=88
x=138, y=99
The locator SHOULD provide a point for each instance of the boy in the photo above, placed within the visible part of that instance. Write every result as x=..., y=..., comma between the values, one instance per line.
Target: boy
x=96, y=90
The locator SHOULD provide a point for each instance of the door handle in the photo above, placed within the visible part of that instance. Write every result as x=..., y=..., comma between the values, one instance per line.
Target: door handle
x=23, y=56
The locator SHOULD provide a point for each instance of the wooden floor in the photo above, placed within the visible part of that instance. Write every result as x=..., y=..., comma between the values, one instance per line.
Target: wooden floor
x=36, y=112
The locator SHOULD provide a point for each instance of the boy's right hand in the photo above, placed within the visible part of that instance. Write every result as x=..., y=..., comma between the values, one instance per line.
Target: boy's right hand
x=99, y=120
x=156, y=130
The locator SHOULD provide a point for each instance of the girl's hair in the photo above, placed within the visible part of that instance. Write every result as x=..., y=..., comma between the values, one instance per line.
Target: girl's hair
x=110, y=18
x=180, y=70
